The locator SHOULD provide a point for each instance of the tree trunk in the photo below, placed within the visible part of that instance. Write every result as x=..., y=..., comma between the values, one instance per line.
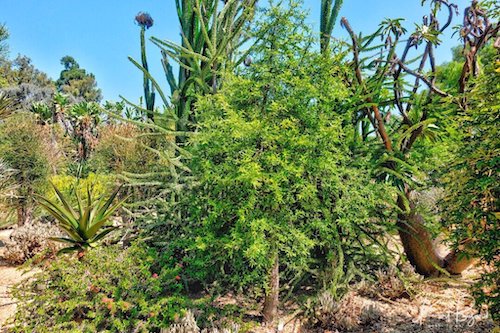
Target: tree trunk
x=24, y=214
x=272, y=296
x=455, y=264
x=419, y=247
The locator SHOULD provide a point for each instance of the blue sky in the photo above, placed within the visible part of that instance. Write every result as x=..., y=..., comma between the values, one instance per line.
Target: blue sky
x=100, y=34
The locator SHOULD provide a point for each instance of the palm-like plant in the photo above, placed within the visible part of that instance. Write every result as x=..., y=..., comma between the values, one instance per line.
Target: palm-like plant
x=85, y=117
x=85, y=225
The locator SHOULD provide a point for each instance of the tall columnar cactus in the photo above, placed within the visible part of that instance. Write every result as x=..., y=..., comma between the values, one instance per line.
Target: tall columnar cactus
x=329, y=12
x=210, y=36
x=145, y=21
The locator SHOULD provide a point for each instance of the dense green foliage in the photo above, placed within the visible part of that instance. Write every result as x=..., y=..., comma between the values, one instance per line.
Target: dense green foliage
x=471, y=208
x=77, y=82
x=276, y=177
x=109, y=289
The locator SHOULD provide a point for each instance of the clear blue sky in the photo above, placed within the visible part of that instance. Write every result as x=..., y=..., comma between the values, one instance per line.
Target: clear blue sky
x=100, y=34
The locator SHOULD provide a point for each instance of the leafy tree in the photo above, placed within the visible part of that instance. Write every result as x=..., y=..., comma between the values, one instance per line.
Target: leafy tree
x=27, y=73
x=77, y=82
x=471, y=208
x=24, y=84
x=277, y=192
x=22, y=71
x=388, y=83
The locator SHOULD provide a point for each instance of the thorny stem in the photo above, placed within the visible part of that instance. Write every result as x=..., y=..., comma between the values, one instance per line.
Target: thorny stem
x=378, y=122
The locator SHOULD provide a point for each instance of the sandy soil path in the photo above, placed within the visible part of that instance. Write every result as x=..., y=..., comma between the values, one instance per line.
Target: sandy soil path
x=9, y=276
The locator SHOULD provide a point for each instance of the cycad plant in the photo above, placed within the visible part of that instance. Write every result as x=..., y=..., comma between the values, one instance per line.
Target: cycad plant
x=84, y=225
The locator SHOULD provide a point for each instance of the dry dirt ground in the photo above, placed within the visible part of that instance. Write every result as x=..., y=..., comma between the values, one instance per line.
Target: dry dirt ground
x=9, y=276
x=440, y=306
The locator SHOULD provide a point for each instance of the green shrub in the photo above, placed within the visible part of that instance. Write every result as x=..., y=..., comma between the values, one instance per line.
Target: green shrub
x=25, y=146
x=118, y=150
x=471, y=205
x=276, y=178
x=110, y=289
x=101, y=184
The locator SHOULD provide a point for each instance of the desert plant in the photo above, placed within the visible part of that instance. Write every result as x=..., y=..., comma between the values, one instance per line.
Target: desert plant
x=347, y=314
x=329, y=12
x=471, y=205
x=85, y=118
x=25, y=146
x=85, y=225
x=145, y=21
x=211, y=36
x=390, y=80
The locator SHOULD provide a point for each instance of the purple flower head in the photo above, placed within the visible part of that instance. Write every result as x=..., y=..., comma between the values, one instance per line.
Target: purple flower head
x=144, y=20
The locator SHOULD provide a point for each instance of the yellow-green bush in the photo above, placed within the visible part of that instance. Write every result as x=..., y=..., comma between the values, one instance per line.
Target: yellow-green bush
x=99, y=184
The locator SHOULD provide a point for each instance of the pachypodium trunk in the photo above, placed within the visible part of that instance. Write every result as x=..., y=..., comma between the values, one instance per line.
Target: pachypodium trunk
x=420, y=249
x=272, y=297
x=417, y=241
x=476, y=31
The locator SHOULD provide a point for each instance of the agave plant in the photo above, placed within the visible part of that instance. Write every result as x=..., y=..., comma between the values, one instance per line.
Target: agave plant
x=84, y=225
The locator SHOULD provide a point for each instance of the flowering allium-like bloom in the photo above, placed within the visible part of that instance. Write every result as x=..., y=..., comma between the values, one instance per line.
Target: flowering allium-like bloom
x=144, y=20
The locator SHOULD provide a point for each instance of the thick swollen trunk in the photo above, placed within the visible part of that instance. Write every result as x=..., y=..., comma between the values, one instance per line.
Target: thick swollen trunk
x=24, y=215
x=272, y=296
x=419, y=246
